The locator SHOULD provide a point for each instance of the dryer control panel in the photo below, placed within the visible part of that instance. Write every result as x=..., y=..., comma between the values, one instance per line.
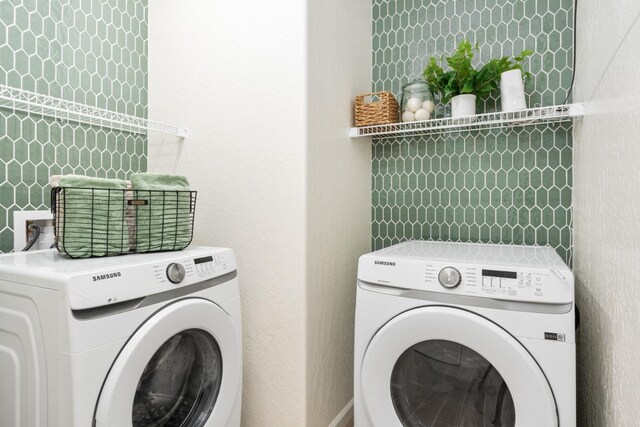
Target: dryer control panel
x=195, y=269
x=148, y=274
x=537, y=284
x=533, y=285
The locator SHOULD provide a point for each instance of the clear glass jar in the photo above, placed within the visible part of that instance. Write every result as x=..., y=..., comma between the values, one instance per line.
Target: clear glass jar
x=417, y=102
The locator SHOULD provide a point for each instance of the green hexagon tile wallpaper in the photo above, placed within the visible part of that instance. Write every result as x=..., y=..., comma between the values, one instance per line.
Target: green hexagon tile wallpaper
x=87, y=51
x=494, y=186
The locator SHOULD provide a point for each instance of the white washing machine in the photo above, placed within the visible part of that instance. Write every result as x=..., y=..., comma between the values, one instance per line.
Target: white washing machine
x=453, y=334
x=129, y=341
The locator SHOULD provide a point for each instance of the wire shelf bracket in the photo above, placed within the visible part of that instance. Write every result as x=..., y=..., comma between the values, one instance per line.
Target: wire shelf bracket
x=528, y=117
x=60, y=109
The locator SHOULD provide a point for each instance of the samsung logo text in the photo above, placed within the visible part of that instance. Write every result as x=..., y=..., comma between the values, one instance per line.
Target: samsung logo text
x=107, y=276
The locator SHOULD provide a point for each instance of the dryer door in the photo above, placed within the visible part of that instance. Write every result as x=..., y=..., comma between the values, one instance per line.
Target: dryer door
x=449, y=367
x=180, y=368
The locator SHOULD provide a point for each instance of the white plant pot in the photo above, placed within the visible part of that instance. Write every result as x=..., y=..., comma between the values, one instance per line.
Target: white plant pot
x=512, y=91
x=463, y=105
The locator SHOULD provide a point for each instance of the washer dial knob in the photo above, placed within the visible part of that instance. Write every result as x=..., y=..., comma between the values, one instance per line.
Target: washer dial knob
x=449, y=277
x=175, y=272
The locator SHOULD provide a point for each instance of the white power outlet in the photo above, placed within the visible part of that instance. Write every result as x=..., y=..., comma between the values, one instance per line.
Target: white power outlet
x=21, y=221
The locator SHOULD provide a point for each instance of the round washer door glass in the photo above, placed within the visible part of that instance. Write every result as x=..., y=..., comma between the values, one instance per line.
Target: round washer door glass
x=180, y=384
x=182, y=367
x=444, y=366
x=439, y=382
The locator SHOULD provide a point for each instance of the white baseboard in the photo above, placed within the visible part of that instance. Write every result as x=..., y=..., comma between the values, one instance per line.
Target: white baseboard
x=344, y=416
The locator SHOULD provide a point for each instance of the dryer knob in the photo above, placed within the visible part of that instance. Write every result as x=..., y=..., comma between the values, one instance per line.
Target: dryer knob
x=175, y=272
x=449, y=277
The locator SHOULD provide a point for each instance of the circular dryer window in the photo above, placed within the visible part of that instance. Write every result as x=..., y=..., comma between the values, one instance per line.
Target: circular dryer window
x=444, y=366
x=170, y=371
x=180, y=384
x=439, y=382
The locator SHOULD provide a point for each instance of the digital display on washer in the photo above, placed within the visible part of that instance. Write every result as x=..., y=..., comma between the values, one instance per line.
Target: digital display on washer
x=503, y=274
x=203, y=259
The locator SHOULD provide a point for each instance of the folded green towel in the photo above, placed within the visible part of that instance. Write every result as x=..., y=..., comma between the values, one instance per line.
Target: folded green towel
x=164, y=223
x=91, y=216
x=158, y=181
x=91, y=182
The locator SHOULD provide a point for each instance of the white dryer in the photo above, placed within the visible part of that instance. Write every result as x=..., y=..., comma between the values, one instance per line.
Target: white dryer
x=130, y=341
x=454, y=334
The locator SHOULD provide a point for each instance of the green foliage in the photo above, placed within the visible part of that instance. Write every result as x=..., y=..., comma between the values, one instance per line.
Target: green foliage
x=463, y=78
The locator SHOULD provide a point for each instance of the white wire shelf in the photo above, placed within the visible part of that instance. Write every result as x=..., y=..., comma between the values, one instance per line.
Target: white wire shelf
x=530, y=116
x=34, y=103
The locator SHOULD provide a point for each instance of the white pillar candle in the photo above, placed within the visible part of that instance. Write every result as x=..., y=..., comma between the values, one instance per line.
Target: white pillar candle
x=512, y=95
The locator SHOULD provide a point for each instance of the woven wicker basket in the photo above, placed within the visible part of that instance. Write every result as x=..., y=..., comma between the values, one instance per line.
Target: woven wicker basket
x=381, y=109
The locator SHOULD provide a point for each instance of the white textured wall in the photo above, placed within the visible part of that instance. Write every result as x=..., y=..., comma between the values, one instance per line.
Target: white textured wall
x=607, y=212
x=233, y=73
x=339, y=198
x=265, y=89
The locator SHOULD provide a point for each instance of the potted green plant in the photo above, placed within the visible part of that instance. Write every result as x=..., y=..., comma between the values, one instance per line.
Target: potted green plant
x=463, y=83
x=512, y=95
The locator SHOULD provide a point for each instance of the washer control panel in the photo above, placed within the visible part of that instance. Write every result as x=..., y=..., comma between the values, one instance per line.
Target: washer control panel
x=192, y=269
x=175, y=272
x=537, y=285
x=528, y=284
x=513, y=282
x=151, y=274
x=207, y=265
x=449, y=277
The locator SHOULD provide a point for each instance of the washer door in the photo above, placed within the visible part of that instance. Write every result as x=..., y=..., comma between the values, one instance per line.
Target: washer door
x=449, y=367
x=181, y=368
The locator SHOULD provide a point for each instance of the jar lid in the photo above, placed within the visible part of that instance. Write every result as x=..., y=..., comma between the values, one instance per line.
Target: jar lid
x=416, y=85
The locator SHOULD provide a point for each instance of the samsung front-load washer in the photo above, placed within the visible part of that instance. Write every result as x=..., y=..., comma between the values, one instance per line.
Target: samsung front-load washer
x=129, y=341
x=454, y=334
